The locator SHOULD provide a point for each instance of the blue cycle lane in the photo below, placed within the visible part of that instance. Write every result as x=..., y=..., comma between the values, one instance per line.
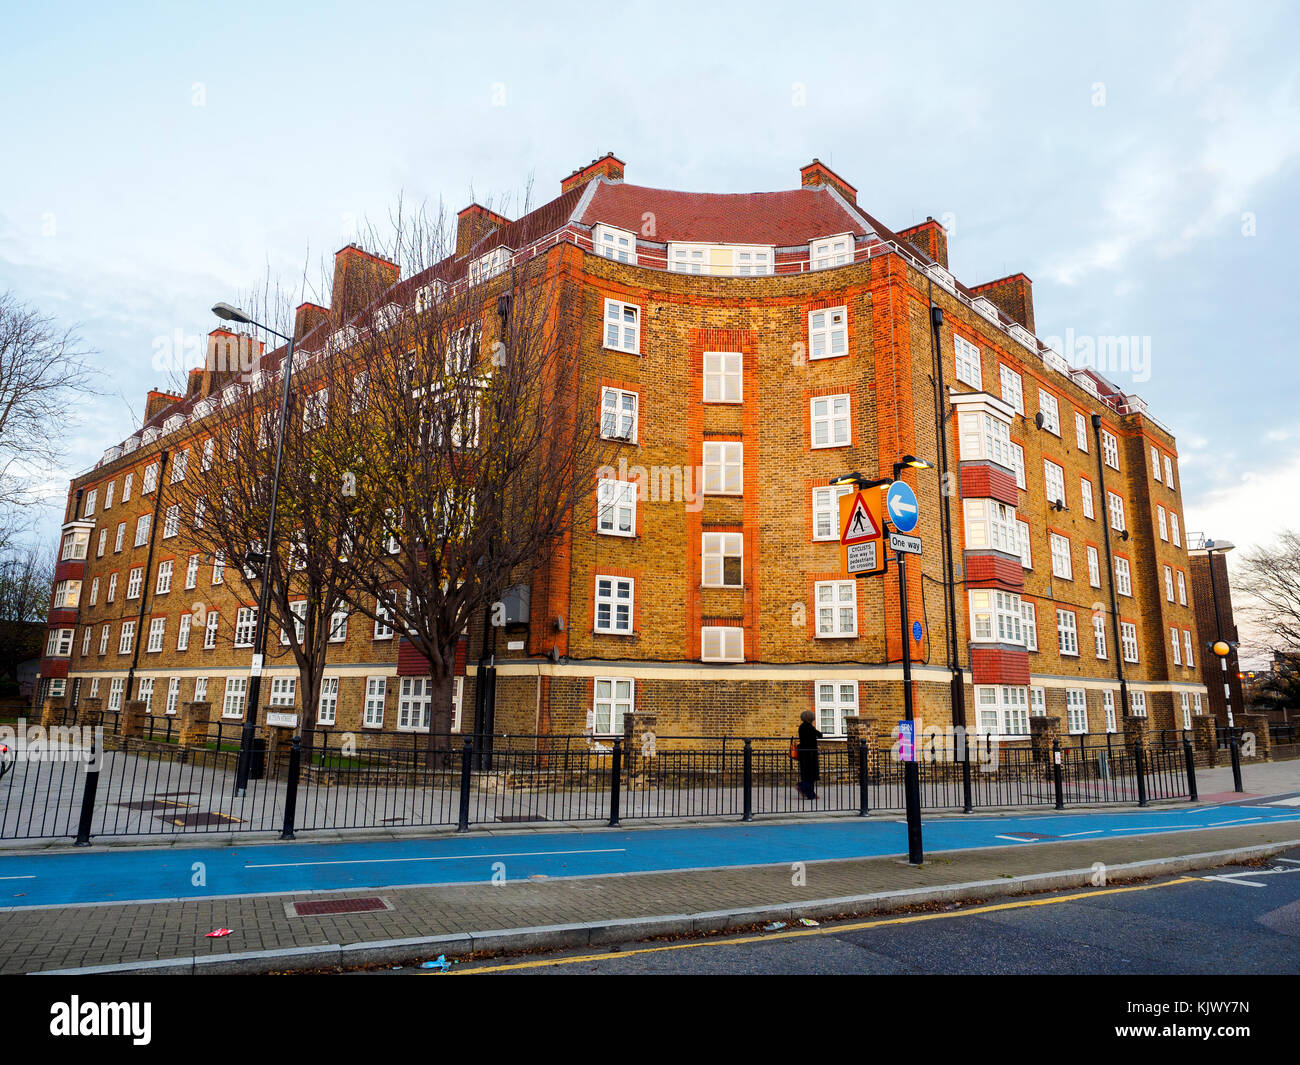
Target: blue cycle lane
x=123, y=874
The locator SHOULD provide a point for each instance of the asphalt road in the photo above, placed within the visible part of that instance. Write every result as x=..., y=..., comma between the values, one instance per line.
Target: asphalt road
x=1233, y=920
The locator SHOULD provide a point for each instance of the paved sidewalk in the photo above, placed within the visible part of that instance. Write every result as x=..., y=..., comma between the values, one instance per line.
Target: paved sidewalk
x=564, y=911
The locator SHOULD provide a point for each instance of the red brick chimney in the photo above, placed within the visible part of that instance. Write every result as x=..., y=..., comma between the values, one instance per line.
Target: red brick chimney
x=818, y=173
x=473, y=224
x=156, y=402
x=360, y=278
x=307, y=317
x=1013, y=295
x=930, y=238
x=607, y=166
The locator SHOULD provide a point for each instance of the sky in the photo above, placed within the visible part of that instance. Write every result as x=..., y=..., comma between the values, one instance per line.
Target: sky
x=1138, y=162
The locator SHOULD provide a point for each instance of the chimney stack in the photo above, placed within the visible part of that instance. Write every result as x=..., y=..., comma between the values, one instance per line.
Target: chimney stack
x=817, y=173
x=608, y=166
x=360, y=278
x=1013, y=296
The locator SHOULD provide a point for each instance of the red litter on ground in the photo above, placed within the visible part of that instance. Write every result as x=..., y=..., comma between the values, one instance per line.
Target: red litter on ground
x=218, y=932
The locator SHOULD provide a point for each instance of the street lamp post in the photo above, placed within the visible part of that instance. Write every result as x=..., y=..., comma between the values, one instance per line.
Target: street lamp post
x=233, y=314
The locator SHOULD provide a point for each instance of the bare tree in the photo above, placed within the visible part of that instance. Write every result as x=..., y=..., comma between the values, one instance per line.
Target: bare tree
x=42, y=369
x=225, y=495
x=465, y=386
x=1269, y=577
x=25, y=580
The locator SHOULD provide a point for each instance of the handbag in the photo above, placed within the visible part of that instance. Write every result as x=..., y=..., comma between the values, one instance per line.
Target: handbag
x=794, y=749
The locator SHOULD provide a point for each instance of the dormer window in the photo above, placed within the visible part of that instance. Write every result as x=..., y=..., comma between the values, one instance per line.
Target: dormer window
x=616, y=244
x=173, y=423
x=726, y=260
x=831, y=251
x=489, y=265
x=427, y=295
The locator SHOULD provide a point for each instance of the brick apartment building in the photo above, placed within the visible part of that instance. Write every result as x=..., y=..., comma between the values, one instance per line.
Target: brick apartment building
x=746, y=349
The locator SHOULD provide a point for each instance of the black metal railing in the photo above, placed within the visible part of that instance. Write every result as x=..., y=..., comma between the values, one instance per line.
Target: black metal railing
x=329, y=779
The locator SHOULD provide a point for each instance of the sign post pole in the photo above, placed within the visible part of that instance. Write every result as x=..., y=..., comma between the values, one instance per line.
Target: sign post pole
x=911, y=771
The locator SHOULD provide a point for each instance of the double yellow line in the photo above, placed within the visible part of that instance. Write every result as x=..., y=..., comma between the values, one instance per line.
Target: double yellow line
x=799, y=933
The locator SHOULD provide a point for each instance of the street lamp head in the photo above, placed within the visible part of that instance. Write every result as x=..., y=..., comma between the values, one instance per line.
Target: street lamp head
x=915, y=463
x=1221, y=648
x=228, y=313
x=847, y=478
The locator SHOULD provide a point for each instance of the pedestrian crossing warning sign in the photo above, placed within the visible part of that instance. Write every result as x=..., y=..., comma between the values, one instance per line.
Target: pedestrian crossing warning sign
x=858, y=523
x=861, y=550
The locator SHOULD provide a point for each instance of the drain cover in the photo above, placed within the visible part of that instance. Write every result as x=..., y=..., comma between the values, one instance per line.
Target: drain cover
x=152, y=804
x=329, y=907
x=203, y=820
x=519, y=817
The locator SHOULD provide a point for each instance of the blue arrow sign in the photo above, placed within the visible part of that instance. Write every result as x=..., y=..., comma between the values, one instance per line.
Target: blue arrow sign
x=900, y=502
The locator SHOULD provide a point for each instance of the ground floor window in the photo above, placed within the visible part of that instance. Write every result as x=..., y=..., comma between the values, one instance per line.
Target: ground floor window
x=233, y=705
x=1139, y=703
x=173, y=694
x=613, y=699
x=283, y=689
x=457, y=701
x=1076, y=710
x=1037, y=702
x=327, y=710
x=115, y=693
x=836, y=700
x=1003, y=709
x=1108, y=699
x=415, y=707
x=376, y=689
x=146, y=693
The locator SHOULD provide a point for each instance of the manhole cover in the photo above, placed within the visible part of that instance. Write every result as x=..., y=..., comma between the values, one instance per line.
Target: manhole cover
x=202, y=820
x=324, y=907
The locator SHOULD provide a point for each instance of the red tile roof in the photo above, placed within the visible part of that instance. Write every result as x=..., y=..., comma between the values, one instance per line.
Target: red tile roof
x=785, y=218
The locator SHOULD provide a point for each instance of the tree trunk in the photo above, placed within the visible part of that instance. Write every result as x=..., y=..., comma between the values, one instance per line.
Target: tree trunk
x=443, y=748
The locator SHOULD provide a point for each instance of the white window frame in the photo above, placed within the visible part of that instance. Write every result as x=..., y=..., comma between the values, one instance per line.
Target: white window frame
x=1115, y=508
x=157, y=633
x=1026, y=545
x=245, y=626
x=614, y=243
x=232, y=706
x=616, y=507
x=1128, y=641
x=1182, y=588
x=614, y=415
x=1029, y=624
x=1094, y=567
x=415, y=704
x=621, y=333
x=1123, y=576
x=724, y=376
x=1062, y=557
x=715, y=549
x=184, y=625
x=1138, y=703
x=1161, y=524
x=1110, y=449
x=1099, y=635
x=831, y=420
x=376, y=696
x=827, y=252
x=723, y=468
x=1081, y=432
x=1108, y=703
x=1050, y=408
x=1054, y=481
x=826, y=511
x=163, y=585
x=192, y=571
x=135, y=582
x=126, y=638
x=722, y=643
x=1013, y=388
x=210, y=625
x=614, y=594
x=1067, y=633
x=1085, y=494
x=966, y=361
x=830, y=596
x=828, y=333
x=834, y=700
x=327, y=707
x=612, y=699
x=996, y=617
x=1076, y=711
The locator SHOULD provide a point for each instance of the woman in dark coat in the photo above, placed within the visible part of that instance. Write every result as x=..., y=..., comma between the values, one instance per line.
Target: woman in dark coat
x=809, y=764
